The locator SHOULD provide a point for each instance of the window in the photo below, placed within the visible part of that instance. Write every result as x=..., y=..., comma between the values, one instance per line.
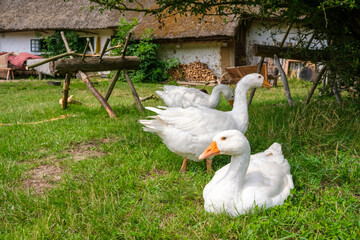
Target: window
x=35, y=45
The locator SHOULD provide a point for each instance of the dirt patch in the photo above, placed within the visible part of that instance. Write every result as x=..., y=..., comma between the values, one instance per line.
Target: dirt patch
x=43, y=177
x=46, y=176
x=84, y=151
x=155, y=172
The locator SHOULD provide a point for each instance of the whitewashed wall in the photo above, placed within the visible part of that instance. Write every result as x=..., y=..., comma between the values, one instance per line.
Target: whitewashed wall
x=17, y=41
x=205, y=52
x=20, y=41
x=258, y=34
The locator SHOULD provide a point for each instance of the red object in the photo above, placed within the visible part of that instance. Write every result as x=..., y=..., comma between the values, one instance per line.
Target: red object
x=19, y=60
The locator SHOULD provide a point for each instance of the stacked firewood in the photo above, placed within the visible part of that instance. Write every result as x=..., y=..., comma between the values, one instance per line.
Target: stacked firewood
x=193, y=72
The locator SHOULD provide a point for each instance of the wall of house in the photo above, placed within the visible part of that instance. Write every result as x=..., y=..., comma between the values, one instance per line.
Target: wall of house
x=211, y=53
x=20, y=41
x=258, y=34
x=17, y=41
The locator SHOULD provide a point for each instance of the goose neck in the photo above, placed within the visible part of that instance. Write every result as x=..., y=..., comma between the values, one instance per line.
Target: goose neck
x=240, y=109
x=237, y=170
x=215, y=96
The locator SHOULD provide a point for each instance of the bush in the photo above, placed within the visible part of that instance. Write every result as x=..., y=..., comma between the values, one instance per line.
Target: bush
x=151, y=69
x=54, y=45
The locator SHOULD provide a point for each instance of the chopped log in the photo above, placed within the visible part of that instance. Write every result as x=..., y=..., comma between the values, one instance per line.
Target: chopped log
x=193, y=72
x=289, y=53
x=143, y=99
x=63, y=66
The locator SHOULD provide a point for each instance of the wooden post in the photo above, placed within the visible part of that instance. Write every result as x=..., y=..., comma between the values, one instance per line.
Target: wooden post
x=126, y=44
x=131, y=85
x=284, y=80
x=66, y=88
x=101, y=99
x=112, y=85
x=105, y=47
x=88, y=83
x=252, y=93
x=315, y=83
x=133, y=91
x=281, y=70
x=90, y=45
x=85, y=49
x=335, y=90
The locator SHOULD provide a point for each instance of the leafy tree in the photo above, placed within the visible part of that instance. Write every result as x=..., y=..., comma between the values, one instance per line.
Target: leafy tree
x=54, y=45
x=151, y=69
x=335, y=21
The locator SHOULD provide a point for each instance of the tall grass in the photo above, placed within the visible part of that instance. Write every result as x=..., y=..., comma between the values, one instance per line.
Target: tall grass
x=134, y=189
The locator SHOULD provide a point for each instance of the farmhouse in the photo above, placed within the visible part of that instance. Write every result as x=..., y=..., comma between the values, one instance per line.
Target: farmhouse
x=214, y=41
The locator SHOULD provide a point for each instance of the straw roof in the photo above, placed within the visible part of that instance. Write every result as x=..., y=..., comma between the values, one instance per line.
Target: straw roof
x=22, y=15
x=190, y=27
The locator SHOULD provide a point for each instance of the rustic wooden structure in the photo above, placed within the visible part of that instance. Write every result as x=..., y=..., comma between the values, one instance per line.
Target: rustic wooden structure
x=282, y=73
x=94, y=63
x=234, y=74
x=289, y=53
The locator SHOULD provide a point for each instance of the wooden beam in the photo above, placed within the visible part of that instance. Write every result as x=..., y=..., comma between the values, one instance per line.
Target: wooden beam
x=112, y=85
x=66, y=65
x=284, y=80
x=101, y=99
x=252, y=93
x=315, y=83
x=289, y=53
x=133, y=91
x=66, y=88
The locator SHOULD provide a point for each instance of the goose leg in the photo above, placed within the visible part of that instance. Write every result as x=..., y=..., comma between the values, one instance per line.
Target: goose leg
x=183, y=166
x=208, y=165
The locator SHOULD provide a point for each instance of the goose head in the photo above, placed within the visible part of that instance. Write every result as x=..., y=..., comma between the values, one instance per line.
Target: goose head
x=254, y=80
x=228, y=94
x=230, y=142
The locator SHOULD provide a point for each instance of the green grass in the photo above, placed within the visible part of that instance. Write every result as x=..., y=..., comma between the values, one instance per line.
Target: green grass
x=129, y=185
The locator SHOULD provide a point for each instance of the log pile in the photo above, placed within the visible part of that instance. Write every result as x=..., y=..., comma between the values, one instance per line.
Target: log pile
x=193, y=72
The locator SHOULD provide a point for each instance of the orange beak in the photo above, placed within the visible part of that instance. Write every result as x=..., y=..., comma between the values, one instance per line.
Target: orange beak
x=210, y=151
x=266, y=84
x=231, y=102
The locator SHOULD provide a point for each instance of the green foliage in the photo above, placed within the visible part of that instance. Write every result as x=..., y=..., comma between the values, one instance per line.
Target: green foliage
x=54, y=45
x=151, y=69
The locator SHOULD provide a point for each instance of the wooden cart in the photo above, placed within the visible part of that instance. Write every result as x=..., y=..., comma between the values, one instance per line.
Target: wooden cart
x=233, y=74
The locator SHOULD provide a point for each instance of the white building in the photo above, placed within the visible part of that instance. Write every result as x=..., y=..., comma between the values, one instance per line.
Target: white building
x=213, y=41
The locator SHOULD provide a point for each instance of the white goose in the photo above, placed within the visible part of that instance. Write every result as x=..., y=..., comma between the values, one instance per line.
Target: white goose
x=188, y=131
x=184, y=97
x=238, y=187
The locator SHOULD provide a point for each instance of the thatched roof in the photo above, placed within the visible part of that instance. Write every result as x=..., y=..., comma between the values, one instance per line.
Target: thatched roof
x=22, y=15
x=181, y=27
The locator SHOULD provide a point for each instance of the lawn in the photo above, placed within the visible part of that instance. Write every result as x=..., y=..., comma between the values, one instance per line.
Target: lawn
x=87, y=176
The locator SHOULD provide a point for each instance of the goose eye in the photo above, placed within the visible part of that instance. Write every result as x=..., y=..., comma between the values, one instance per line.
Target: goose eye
x=223, y=138
x=259, y=76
